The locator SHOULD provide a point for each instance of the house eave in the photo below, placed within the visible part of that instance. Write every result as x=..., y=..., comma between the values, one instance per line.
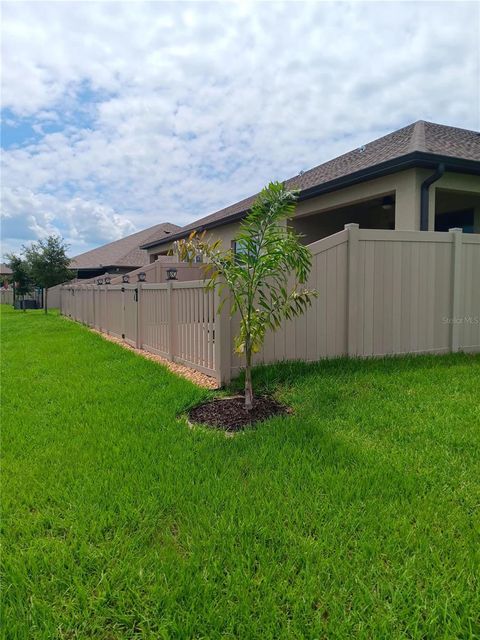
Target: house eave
x=106, y=267
x=416, y=159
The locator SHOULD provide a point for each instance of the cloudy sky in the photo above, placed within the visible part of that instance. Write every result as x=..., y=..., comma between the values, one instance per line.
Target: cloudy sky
x=117, y=116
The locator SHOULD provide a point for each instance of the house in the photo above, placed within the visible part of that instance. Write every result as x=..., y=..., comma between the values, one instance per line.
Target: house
x=425, y=176
x=120, y=256
x=5, y=272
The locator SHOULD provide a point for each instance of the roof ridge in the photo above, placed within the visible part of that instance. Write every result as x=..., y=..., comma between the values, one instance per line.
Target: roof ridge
x=418, y=141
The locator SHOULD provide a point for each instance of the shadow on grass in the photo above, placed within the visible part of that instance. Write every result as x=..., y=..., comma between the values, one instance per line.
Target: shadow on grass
x=269, y=378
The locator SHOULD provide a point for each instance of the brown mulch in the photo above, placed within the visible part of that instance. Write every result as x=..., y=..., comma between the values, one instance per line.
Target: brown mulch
x=229, y=414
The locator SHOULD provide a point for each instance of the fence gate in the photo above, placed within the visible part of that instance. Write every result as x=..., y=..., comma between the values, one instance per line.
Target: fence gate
x=130, y=314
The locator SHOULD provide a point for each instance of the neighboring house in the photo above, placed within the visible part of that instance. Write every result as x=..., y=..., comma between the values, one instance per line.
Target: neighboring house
x=5, y=272
x=120, y=256
x=6, y=292
x=422, y=177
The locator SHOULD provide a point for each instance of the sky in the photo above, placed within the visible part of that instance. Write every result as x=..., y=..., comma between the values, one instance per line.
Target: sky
x=119, y=116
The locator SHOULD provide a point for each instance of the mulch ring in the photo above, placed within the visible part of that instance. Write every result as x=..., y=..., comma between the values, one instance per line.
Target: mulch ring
x=229, y=414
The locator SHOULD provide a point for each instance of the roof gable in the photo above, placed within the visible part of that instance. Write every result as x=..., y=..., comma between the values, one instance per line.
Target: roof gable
x=125, y=252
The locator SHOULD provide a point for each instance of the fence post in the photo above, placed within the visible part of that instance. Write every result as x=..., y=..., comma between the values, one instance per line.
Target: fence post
x=139, y=337
x=223, y=343
x=172, y=321
x=457, y=301
x=106, y=318
x=352, y=288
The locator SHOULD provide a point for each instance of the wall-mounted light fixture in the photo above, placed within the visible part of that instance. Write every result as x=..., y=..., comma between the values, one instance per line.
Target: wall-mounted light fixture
x=125, y=278
x=171, y=273
x=387, y=203
x=142, y=276
x=107, y=279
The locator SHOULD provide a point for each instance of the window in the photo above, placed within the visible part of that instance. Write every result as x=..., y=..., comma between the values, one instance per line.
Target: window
x=238, y=248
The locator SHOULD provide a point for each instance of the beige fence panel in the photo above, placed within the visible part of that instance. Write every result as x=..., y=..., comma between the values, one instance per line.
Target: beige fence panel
x=383, y=292
x=114, y=310
x=467, y=325
x=322, y=331
x=194, y=313
x=53, y=297
x=104, y=308
x=97, y=315
x=89, y=307
x=154, y=325
x=178, y=322
x=402, y=284
x=77, y=304
x=130, y=314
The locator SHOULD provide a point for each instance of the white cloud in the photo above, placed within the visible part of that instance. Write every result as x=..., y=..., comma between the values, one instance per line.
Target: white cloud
x=169, y=111
x=27, y=215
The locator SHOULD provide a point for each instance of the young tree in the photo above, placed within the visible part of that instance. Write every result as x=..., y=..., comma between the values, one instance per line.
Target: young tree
x=48, y=263
x=256, y=273
x=20, y=275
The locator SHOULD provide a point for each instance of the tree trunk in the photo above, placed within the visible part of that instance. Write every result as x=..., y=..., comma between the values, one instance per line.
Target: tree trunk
x=23, y=302
x=248, y=378
x=45, y=296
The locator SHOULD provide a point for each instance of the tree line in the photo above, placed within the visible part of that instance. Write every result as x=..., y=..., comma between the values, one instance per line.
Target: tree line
x=41, y=264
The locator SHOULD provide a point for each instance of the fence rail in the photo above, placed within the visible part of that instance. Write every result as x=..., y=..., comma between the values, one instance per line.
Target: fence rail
x=379, y=293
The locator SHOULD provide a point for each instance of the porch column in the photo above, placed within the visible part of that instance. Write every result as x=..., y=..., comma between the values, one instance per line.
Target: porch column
x=407, y=201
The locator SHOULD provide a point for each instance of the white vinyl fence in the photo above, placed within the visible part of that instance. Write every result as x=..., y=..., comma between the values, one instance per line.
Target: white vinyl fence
x=379, y=293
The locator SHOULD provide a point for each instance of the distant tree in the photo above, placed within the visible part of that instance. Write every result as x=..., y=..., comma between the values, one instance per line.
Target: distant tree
x=48, y=263
x=257, y=273
x=20, y=275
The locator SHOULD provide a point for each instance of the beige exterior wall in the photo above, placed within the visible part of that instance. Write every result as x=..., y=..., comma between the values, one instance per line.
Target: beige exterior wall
x=404, y=185
x=226, y=233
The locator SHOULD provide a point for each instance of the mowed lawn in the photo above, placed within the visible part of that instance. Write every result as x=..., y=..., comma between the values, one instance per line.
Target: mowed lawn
x=355, y=517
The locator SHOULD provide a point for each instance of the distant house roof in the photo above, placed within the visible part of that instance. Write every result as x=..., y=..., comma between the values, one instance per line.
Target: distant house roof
x=418, y=144
x=125, y=252
x=4, y=270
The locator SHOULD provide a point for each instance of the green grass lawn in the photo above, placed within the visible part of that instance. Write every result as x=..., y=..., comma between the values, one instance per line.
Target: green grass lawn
x=356, y=517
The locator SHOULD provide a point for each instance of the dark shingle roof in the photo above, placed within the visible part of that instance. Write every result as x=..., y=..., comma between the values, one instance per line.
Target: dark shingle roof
x=421, y=136
x=125, y=252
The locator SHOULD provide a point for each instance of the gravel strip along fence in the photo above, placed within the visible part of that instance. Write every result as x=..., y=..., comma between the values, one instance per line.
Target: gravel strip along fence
x=196, y=377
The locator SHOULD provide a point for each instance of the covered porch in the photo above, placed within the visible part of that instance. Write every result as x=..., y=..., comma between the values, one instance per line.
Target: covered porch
x=393, y=203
